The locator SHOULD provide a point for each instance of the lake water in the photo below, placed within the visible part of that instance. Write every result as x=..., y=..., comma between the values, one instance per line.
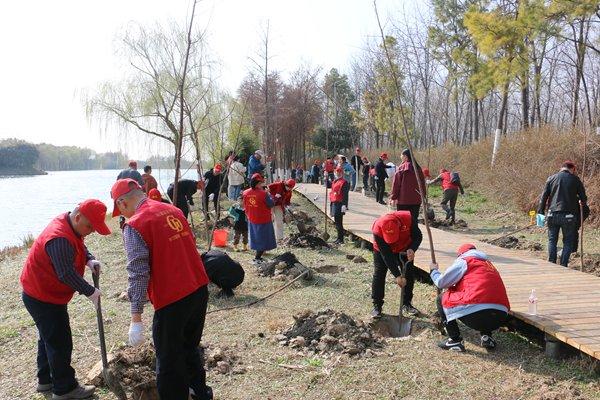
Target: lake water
x=27, y=204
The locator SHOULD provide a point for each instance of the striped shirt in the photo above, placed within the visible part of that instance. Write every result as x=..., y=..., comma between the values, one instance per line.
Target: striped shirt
x=138, y=266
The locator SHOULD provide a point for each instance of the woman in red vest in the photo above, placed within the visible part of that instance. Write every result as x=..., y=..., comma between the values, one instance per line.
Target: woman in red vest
x=450, y=192
x=52, y=273
x=281, y=193
x=405, y=188
x=258, y=204
x=394, y=233
x=338, y=199
x=164, y=266
x=474, y=293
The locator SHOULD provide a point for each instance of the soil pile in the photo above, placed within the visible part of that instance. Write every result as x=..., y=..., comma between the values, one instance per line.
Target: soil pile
x=329, y=331
x=591, y=263
x=222, y=360
x=284, y=266
x=305, y=241
x=438, y=223
x=512, y=242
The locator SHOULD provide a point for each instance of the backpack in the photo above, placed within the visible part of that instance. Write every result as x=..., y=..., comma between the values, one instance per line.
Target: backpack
x=454, y=178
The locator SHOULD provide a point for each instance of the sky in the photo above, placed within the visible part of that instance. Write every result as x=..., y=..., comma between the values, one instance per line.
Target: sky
x=54, y=52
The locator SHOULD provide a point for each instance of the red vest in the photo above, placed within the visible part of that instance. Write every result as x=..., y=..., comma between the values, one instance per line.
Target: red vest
x=38, y=278
x=337, y=194
x=279, y=188
x=176, y=269
x=447, y=181
x=481, y=284
x=403, y=221
x=329, y=166
x=255, y=205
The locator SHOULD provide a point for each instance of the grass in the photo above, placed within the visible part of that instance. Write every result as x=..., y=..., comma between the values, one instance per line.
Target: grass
x=406, y=369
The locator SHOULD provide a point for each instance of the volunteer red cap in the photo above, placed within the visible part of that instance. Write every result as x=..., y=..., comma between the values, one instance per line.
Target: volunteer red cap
x=464, y=248
x=121, y=187
x=390, y=230
x=257, y=177
x=95, y=211
x=218, y=167
x=154, y=194
x=426, y=172
x=340, y=170
x=569, y=164
x=290, y=183
x=384, y=155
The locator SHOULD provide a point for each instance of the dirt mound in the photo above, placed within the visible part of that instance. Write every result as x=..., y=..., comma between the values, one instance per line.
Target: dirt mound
x=284, y=266
x=329, y=269
x=222, y=359
x=305, y=241
x=591, y=263
x=512, y=242
x=439, y=223
x=329, y=331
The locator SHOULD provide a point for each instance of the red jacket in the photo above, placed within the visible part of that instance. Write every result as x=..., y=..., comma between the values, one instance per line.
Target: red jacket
x=255, y=205
x=286, y=195
x=329, y=166
x=405, y=189
x=176, y=269
x=447, y=180
x=398, y=223
x=337, y=191
x=481, y=284
x=38, y=278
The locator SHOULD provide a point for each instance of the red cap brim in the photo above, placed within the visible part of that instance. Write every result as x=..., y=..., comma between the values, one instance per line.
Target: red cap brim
x=101, y=227
x=116, y=211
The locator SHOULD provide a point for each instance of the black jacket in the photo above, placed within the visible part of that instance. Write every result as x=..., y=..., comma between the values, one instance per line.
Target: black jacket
x=356, y=162
x=186, y=188
x=380, y=170
x=212, y=182
x=562, y=194
x=391, y=260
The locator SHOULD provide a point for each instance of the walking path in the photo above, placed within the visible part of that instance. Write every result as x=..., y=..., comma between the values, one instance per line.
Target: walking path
x=568, y=300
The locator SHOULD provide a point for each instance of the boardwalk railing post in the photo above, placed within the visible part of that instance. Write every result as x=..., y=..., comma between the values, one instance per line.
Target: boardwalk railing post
x=554, y=348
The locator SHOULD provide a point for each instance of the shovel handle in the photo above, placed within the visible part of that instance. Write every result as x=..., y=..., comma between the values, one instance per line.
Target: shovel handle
x=96, y=279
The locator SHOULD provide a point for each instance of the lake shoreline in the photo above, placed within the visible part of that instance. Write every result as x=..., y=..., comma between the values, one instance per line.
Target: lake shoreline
x=6, y=172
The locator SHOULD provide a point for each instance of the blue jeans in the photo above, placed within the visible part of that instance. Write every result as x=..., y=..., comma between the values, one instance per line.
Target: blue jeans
x=353, y=181
x=55, y=344
x=568, y=225
x=233, y=192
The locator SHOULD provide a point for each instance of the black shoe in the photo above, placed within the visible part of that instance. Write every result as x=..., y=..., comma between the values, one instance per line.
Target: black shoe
x=44, y=387
x=376, y=313
x=225, y=293
x=208, y=394
x=487, y=342
x=409, y=309
x=452, y=345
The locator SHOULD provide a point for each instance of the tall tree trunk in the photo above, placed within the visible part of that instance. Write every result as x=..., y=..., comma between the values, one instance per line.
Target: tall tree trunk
x=476, y=120
x=500, y=125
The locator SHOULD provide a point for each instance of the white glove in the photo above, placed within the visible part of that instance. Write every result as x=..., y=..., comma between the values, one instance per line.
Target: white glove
x=428, y=181
x=94, y=266
x=95, y=297
x=344, y=209
x=211, y=196
x=136, y=333
x=277, y=196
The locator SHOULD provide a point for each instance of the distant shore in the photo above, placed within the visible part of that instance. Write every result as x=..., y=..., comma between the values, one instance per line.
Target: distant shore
x=6, y=172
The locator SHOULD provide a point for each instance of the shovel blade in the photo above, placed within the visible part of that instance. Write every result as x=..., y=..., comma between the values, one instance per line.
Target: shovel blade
x=392, y=326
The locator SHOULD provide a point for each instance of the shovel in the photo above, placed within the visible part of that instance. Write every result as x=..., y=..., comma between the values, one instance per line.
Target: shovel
x=110, y=379
x=299, y=224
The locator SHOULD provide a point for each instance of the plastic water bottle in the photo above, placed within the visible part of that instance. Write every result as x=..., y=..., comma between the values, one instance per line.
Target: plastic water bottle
x=532, y=303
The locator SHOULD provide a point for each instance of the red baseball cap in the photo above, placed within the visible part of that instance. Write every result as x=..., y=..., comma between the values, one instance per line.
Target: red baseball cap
x=257, y=177
x=464, y=248
x=426, y=173
x=154, y=194
x=390, y=230
x=218, y=168
x=120, y=188
x=383, y=155
x=95, y=211
x=290, y=183
x=340, y=170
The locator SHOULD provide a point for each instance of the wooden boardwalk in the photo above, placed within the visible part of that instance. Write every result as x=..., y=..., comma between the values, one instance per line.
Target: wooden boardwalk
x=568, y=300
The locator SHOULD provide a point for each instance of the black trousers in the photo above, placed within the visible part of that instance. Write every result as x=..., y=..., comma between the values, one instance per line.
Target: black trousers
x=413, y=208
x=485, y=321
x=450, y=196
x=365, y=180
x=338, y=219
x=176, y=331
x=205, y=200
x=379, y=190
x=378, y=283
x=55, y=344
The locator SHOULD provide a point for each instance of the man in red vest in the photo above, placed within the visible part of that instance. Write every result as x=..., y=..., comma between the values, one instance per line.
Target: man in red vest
x=338, y=199
x=474, y=293
x=52, y=273
x=281, y=193
x=450, y=187
x=328, y=170
x=394, y=233
x=164, y=264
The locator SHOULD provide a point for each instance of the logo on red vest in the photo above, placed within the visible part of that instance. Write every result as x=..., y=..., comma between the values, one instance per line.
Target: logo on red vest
x=174, y=223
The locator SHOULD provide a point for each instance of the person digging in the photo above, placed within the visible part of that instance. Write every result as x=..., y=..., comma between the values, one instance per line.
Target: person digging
x=451, y=186
x=281, y=193
x=52, y=273
x=164, y=266
x=475, y=295
x=394, y=233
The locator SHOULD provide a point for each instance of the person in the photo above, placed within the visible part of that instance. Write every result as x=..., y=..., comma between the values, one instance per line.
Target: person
x=257, y=204
x=328, y=168
x=338, y=199
x=299, y=174
x=240, y=226
x=394, y=233
x=380, y=177
x=52, y=273
x=293, y=172
x=236, y=176
x=366, y=168
x=450, y=187
x=222, y=271
x=164, y=266
x=405, y=188
x=372, y=178
x=186, y=188
x=281, y=193
x=132, y=173
x=315, y=172
x=148, y=180
x=561, y=200
x=475, y=295
x=357, y=163
x=256, y=164
x=155, y=195
x=349, y=172
x=212, y=185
